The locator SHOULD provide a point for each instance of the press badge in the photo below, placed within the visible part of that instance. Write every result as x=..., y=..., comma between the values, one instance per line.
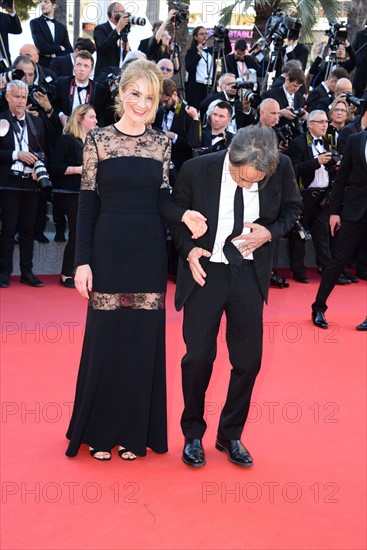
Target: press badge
x=17, y=168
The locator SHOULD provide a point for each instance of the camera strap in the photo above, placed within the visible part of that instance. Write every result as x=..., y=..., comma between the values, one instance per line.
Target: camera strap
x=33, y=130
x=19, y=133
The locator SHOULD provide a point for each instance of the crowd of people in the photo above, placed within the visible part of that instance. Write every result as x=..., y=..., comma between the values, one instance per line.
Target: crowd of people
x=247, y=166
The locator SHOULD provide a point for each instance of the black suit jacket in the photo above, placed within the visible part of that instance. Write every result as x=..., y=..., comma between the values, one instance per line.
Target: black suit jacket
x=44, y=42
x=63, y=101
x=206, y=139
x=62, y=66
x=8, y=25
x=318, y=67
x=350, y=185
x=281, y=98
x=316, y=95
x=187, y=130
x=360, y=75
x=198, y=187
x=7, y=146
x=304, y=163
x=353, y=127
x=230, y=61
x=242, y=119
x=108, y=52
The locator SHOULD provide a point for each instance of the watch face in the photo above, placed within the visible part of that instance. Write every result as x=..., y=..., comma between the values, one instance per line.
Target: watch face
x=4, y=127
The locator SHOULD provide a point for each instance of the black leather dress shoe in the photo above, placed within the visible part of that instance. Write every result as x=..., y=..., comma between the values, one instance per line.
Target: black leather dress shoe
x=362, y=326
x=67, y=283
x=41, y=238
x=193, y=453
x=31, y=280
x=318, y=319
x=349, y=275
x=342, y=280
x=236, y=451
x=300, y=278
x=4, y=280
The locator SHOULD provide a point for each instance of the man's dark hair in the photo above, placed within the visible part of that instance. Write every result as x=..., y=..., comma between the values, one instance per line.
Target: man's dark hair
x=84, y=54
x=224, y=105
x=296, y=75
x=292, y=63
x=255, y=146
x=24, y=59
x=169, y=86
x=339, y=72
x=85, y=44
x=240, y=45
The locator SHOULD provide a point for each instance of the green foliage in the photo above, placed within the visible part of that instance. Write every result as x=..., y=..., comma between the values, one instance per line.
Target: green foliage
x=23, y=6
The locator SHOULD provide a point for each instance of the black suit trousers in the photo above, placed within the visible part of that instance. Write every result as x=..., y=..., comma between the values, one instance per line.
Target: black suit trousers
x=18, y=211
x=238, y=295
x=351, y=235
x=67, y=204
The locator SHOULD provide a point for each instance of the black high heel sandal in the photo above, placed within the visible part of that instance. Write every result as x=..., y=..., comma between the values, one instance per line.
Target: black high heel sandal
x=93, y=453
x=123, y=451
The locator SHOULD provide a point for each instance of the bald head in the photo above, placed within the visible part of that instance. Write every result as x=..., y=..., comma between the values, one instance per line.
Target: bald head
x=269, y=112
x=30, y=51
x=343, y=85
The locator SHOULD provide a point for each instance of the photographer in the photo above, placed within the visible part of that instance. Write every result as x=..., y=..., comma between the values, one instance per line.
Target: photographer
x=111, y=40
x=22, y=142
x=215, y=135
x=345, y=57
x=325, y=90
x=239, y=63
x=43, y=74
x=9, y=24
x=290, y=100
x=159, y=43
x=313, y=163
x=200, y=65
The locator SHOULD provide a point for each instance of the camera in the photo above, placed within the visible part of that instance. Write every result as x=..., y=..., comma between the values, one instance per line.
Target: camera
x=280, y=26
x=43, y=179
x=333, y=165
x=284, y=133
x=44, y=88
x=183, y=12
x=353, y=100
x=338, y=33
x=219, y=146
x=220, y=32
x=140, y=21
x=13, y=74
x=112, y=82
x=248, y=83
x=302, y=232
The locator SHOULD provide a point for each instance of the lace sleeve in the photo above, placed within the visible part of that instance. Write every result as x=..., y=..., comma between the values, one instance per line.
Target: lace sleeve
x=90, y=164
x=166, y=163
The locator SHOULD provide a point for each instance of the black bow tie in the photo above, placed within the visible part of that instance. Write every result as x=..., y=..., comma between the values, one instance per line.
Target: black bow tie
x=49, y=19
x=20, y=122
x=316, y=141
x=81, y=88
x=215, y=136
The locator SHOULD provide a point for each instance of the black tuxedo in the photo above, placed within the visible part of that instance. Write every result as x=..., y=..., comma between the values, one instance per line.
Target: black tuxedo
x=319, y=93
x=231, y=64
x=8, y=25
x=279, y=95
x=62, y=66
x=45, y=44
x=19, y=198
x=242, y=119
x=206, y=138
x=239, y=292
x=315, y=214
x=318, y=67
x=63, y=101
x=353, y=127
x=349, y=201
x=187, y=130
x=108, y=51
x=299, y=52
x=144, y=45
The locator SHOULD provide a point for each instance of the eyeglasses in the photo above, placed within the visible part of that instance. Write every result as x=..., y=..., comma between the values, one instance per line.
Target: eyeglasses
x=201, y=34
x=340, y=111
x=320, y=121
x=166, y=69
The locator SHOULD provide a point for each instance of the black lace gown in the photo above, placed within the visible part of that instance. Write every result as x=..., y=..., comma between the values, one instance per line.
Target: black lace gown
x=121, y=388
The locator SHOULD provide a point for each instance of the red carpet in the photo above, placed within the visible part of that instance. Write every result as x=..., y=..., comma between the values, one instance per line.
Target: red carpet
x=307, y=434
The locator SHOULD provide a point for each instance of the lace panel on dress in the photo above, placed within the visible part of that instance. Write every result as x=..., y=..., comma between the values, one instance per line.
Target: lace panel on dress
x=127, y=300
x=106, y=143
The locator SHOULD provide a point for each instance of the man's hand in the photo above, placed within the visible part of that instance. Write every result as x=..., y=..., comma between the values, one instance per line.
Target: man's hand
x=30, y=109
x=287, y=113
x=248, y=243
x=196, y=222
x=324, y=158
x=198, y=274
x=83, y=280
x=26, y=157
x=42, y=100
x=122, y=22
x=246, y=106
x=335, y=223
x=192, y=112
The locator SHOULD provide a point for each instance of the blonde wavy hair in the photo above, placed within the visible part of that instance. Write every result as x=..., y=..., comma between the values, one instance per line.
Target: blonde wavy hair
x=333, y=105
x=141, y=68
x=74, y=125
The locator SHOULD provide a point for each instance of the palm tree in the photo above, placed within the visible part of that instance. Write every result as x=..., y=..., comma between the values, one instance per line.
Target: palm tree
x=356, y=16
x=307, y=11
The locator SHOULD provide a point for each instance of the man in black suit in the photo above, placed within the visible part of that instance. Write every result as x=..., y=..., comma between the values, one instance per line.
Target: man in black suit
x=359, y=124
x=215, y=134
x=43, y=74
x=325, y=90
x=9, y=24
x=250, y=183
x=71, y=91
x=292, y=50
x=64, y=65
x=22, y=135
x=288, y=96
x=179, y=122
x=50, y=37
x=238, y=63
x=345, y=57
x=111, y=42
x=360, y=74
x=348, y=217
